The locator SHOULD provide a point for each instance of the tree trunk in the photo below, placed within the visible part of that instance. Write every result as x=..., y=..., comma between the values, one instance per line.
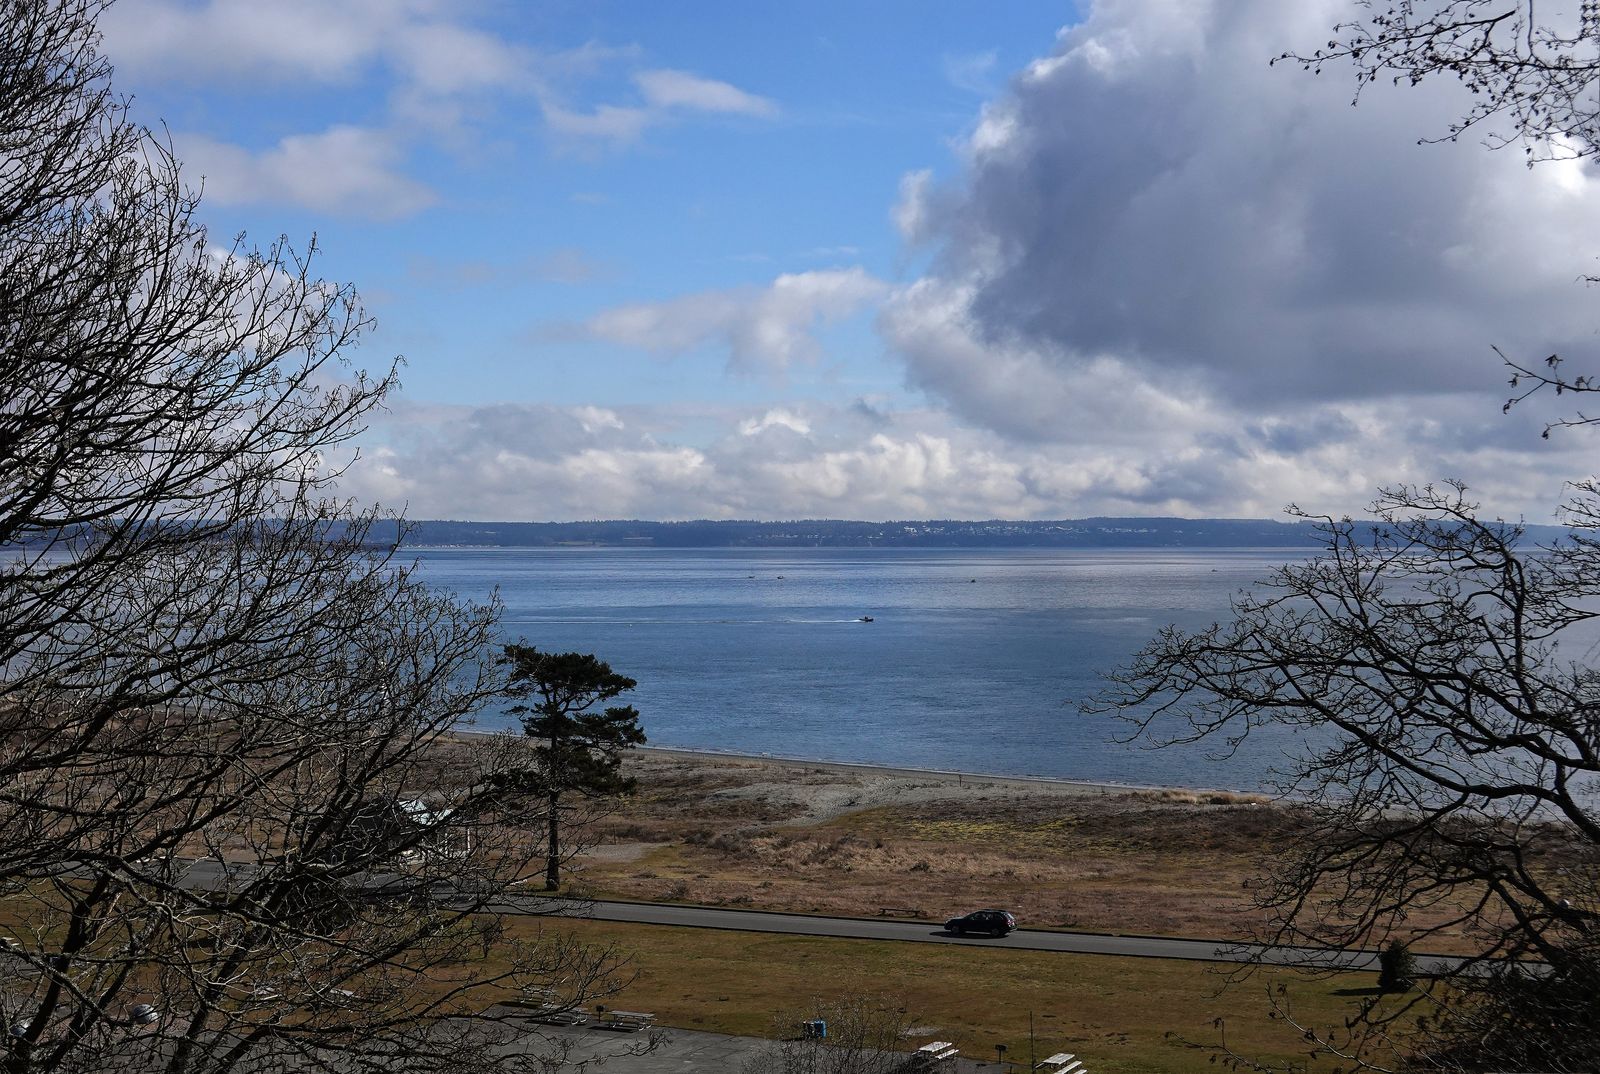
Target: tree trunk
x=552, y=862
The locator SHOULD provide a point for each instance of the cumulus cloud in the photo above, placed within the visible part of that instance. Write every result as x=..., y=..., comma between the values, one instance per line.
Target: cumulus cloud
x=348, y=170
x=512, y=462
x=1155, y=191
x=1157, y=242
x=777, y=418
x=539, y=462
x=1165, y=279
x=786, y=460
x=1017, y=390
x=769, y=328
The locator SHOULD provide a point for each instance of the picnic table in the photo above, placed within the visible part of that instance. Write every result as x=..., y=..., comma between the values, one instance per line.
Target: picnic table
x=631, y=1021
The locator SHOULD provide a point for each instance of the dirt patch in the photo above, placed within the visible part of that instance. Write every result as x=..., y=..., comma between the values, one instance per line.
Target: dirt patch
x=617, y=852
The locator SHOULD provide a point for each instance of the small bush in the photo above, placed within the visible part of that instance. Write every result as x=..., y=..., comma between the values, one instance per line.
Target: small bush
x=1397, y=967
x=730, y=844
x=638, y=833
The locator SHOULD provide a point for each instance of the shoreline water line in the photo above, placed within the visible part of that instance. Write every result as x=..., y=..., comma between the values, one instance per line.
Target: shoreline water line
x=949, y=775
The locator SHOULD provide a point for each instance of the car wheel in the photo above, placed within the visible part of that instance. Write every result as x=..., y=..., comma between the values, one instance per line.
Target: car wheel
x=957, y=930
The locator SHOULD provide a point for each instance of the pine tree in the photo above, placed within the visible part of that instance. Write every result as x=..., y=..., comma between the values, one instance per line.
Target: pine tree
x=581, y=751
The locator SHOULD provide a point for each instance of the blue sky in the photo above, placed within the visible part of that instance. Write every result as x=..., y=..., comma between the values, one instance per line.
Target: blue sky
x=881, y=260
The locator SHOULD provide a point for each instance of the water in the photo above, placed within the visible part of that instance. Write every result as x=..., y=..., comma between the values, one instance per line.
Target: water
x=976, y=660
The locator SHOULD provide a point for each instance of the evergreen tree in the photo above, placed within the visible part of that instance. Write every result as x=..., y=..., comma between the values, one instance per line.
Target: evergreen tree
x=1397, y=967
x=581, y=751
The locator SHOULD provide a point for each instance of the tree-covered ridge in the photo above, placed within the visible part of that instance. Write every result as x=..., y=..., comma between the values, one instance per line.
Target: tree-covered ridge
x=936, y=533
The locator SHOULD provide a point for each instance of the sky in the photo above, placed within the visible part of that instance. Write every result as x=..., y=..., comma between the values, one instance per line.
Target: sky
x=886, y=260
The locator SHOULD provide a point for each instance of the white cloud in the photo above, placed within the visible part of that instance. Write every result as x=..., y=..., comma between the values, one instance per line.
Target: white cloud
x=595, y=419
x=912, y=214
x=664, y=89
x=245, y=39
x=777, y=418
x=666, y=95
x=347, y=170
x=440, y=58
x=667, y=327
x=617, y=124
x=815, y=461
x=421, y=41
x=770, y=328
x=444, y=82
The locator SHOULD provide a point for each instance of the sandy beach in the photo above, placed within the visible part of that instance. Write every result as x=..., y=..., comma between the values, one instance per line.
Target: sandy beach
x=805, y=785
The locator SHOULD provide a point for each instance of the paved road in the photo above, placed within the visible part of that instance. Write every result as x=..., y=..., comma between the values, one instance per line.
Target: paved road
x=206, y=873
x=1089, y=943
x=890, y=929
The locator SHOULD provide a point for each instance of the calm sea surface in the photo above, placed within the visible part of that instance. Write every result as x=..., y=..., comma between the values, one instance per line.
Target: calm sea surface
x=975, y=660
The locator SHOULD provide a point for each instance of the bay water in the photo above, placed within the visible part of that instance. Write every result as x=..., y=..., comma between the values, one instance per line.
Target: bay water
x=975, y=660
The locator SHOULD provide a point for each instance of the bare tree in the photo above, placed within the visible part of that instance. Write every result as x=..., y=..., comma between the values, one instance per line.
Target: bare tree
x=234, y=828
x=1531, y=71
x=1436, y=671
x=864, y=1035
x=1435, y=674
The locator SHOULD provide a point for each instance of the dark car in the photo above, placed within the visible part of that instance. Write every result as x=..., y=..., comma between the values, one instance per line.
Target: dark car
x=981, y=922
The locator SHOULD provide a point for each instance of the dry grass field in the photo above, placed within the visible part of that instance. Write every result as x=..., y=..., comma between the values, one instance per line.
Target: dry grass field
x=855, y=841
x=848, y=840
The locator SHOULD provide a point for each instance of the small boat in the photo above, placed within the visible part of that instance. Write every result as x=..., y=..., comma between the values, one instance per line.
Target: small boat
x=865, y=619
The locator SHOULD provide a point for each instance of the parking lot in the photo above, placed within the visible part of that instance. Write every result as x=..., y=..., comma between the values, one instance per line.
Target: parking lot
x=682, y=1050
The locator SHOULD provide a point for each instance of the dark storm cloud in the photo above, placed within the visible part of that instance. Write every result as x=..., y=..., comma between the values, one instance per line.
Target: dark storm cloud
x=1155, y=193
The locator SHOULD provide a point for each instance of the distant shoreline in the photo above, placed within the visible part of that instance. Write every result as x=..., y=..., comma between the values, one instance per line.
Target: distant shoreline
x=948, y=775
x=1085, y=533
